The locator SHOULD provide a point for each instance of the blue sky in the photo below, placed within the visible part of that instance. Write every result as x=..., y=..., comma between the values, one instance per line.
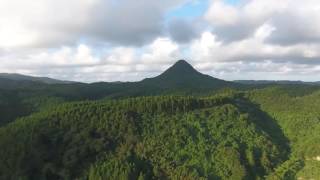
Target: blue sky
x=195, y=9
x=232, y=2
x=189, y=10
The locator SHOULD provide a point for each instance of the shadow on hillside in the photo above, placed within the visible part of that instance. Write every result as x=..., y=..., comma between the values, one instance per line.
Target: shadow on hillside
x=11, y=107
x=265, y=123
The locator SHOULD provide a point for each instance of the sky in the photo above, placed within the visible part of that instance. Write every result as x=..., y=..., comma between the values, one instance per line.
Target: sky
x=129, y=40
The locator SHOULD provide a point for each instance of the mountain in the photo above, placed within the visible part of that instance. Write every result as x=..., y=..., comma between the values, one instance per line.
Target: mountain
x=20, y=77
x=183, y=75
x=180, y=78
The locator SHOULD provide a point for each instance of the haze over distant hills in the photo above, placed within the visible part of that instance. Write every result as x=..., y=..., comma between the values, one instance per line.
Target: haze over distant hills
x=263, y=82
x=180, y=74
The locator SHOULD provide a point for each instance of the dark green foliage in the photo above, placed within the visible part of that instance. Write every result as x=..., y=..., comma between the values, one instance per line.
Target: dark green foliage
x=167, y=137
x=19, y=103
x=11, y=107
x=297, y=111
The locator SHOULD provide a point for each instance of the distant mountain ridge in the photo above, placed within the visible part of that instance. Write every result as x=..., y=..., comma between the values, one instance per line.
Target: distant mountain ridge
x=181, y=74
x=180, y=78
x=20, y=77
x=283, y=82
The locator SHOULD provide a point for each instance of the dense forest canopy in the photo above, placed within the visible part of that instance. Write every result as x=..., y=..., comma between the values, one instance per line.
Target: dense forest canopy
x=173, y=126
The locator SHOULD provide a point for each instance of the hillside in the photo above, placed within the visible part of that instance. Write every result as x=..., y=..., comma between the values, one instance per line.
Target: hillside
x=297, y=112
x=163, y=137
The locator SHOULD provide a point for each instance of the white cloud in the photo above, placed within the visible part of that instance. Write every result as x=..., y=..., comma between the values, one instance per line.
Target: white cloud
x=222, y=14
x=162, y=50
x=39, y=23
x=95, y=40
x=81, y=64
x=208, y=48
x=121, y=56
x=293, y=20
x=252, y=58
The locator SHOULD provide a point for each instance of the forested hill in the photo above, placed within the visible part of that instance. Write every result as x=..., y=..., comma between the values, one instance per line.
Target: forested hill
x=166, y=137
x=269, y=133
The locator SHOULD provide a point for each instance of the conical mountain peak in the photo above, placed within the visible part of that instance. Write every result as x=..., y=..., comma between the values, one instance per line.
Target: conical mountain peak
x=180, y=68
x=181, y=63
x=183, y=75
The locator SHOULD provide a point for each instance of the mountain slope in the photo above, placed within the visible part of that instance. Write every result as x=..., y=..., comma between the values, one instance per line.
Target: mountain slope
x=183, y=75
x=20, y=77
x=10, y=84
